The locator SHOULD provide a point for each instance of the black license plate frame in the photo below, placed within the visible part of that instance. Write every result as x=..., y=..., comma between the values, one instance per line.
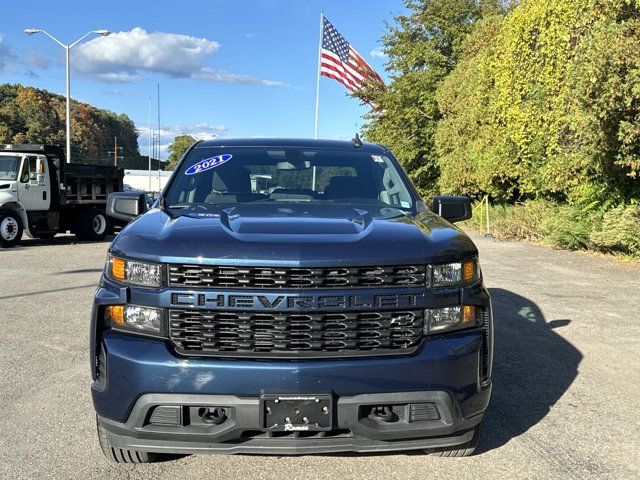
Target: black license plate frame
x=305, y=412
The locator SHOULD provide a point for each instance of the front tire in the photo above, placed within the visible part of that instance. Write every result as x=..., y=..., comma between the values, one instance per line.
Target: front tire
x=10, y=228
x=93, y=225
x=122, y=455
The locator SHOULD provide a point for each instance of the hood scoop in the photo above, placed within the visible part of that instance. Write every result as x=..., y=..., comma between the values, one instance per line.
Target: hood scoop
x=303, y=220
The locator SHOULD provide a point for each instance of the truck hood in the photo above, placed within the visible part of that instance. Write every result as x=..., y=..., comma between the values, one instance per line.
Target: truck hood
x=298, y=235
x=8, y=191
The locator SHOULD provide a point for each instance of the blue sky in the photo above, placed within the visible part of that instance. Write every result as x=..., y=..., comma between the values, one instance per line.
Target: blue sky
x=229, y=68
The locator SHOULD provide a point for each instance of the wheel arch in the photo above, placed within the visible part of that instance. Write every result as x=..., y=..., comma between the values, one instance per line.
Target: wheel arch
x=19, y=209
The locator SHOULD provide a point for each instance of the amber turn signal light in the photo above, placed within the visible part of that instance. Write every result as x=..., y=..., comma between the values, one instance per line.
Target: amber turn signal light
x=468, y=315
x=468, y=270
x=117, y=268
x=115, y=313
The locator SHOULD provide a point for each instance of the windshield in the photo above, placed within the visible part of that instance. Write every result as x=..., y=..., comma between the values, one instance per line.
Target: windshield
x=9, y=165
x=239, y=175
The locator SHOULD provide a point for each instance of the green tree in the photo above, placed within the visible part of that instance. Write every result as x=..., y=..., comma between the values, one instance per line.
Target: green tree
x=470, y=158
x=177, y=149
x=423, y=48
x=544, y=103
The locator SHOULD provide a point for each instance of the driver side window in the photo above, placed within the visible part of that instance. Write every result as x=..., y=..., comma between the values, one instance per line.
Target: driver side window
x=29, y=170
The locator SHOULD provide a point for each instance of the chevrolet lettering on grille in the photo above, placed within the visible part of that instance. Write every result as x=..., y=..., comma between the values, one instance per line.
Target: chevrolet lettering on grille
x=293, y=302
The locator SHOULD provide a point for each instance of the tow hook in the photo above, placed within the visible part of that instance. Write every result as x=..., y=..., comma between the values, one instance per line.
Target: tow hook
x=213, y=415
x=383, y=413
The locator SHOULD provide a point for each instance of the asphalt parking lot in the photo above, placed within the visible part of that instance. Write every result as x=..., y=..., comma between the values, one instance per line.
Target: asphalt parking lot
x=566, y=375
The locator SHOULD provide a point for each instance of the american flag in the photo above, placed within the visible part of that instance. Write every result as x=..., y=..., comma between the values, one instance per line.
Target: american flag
x=340, y=61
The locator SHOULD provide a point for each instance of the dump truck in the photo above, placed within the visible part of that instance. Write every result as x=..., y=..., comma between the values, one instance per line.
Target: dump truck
x=42, y=195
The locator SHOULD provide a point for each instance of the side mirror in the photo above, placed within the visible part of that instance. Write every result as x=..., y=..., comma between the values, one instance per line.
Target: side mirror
x=40, y=170
x=452, y=208
x=126, y=205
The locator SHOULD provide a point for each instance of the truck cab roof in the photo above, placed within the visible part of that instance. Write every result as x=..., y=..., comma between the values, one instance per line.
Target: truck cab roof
x=290, y=142
x=41, y=149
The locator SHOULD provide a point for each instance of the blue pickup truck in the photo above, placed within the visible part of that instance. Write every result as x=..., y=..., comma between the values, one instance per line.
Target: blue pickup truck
x=290, y=297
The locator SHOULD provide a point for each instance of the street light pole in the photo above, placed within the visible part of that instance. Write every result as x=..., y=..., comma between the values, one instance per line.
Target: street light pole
x=68, y=107
x=67, y=48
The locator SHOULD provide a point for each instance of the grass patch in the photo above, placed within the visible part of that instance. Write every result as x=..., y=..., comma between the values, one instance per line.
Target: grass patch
x=567, y=226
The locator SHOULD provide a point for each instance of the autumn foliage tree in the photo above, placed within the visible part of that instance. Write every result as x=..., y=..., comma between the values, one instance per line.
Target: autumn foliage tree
x=31, y=115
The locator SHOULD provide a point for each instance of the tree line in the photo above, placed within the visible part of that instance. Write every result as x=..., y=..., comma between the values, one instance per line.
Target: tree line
x=32, y=115
x=533, y=102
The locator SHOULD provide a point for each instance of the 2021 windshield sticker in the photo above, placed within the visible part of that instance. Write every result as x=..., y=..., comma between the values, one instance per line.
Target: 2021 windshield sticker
x=208, y=164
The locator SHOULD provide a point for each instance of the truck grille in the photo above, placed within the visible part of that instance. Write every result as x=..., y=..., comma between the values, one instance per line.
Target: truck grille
x=293, y=277
x=207, y=332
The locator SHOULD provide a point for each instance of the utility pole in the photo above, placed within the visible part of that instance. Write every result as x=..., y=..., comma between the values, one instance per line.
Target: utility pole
x=155, y=150
x=159, y=140
x=116, y=151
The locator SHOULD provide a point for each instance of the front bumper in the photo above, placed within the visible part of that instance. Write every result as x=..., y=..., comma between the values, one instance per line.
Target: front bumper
x=240, y=433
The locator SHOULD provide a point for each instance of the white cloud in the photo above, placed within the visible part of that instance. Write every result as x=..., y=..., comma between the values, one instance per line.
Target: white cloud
x=212, y=75
x=249, y=35
x=378, y=53
x=199, y=131
x=116, y=77
x=127, y=53
x=124, y=56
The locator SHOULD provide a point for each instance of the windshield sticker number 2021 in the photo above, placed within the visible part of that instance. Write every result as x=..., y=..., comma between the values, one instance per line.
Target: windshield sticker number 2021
x=208, y=164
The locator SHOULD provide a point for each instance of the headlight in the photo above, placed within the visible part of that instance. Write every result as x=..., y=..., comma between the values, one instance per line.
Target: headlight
x=453, y=274
x=135, y=318
x=132, y=272
x=439, y=320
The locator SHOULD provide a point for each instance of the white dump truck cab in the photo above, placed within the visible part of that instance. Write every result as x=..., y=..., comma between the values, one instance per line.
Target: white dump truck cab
x=24, y=187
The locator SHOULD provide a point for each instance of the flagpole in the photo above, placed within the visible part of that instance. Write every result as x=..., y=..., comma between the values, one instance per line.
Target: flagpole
x=150, y=144
x=315, y=130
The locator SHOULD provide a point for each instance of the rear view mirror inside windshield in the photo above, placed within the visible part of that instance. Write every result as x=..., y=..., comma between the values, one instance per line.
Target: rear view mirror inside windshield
x=295, y=165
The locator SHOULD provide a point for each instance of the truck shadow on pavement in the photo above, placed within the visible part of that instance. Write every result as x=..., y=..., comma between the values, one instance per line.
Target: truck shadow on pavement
x=533, y=367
